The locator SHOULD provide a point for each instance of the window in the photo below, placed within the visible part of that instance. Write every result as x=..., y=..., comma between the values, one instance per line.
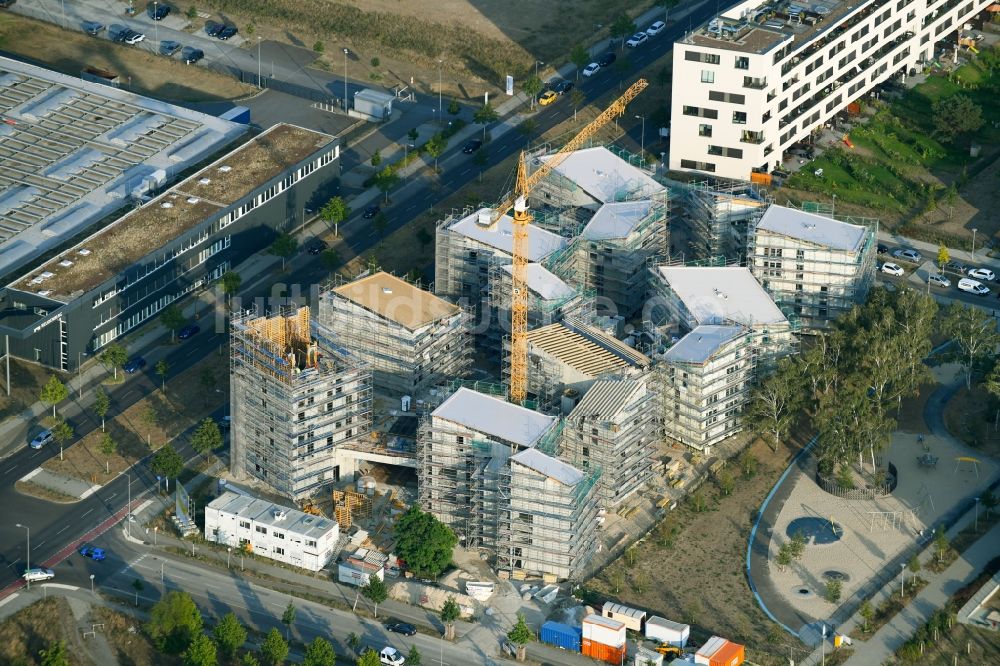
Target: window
x=725, y=152
x=704, y=130
x=731, y=98
x=311, y=543
x=279, y=551
x=707, y=76
x=261, y=529
x=697, y=56
x=245, y=524
x=742, y=62
x=739, y=117
x=698, y=166
x=279, y=535
x=701, y=113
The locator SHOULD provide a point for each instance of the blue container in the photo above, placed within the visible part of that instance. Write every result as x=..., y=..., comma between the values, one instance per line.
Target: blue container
x=562, y=635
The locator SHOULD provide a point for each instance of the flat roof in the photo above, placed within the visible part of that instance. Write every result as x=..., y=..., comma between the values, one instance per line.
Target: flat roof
x=72, y=152
x=546, y=284
x=616, y=220
x=541, y=243
x=621, y=609
x=551, y=467
x=262, y=511
x=605, y=176
x=699, y=345
x=181, y=208
x=397, y=300
x=669, y=624
x=719, y=295
x=584, y=348
x=594, y=618
x=812, y=228
x=606, y=397
x=493, y=416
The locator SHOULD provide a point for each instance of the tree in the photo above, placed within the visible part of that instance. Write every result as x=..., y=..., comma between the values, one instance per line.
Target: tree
x=369, y=658
x=866, y=612
x=576, y=98
x=335, y=211
x=975, y=334
x=833, y=590
x=353, y=641
x=449, y=615
x=381, y=223
x=108, y=448
x=797, y=546
x=161, y=369
x=207, y=437
x=385, y=180
x=726, y=482
x=844, y=477
x=167, y=463
x=520, y=635
x=375, y=591
x=775, y=402
x=201, y=652
x=453, y=107
x=413, y=657
x=580, y=57
x=941, y=545
x=284, y=246
x=943, y=256
x=55, y=655
x=274, y=649
x=424, y=543
x=956, y=115
x=102, y=403
x=207, y=379
x=319, y=47
x=435, y=148
x=413, y=133
x=319, y=652
x=62, y=433
x=531, y=86
x=288, y=617
x=663, y=77
x=485, y=115
x=229, y=635
x=914, y=565
x=172, y=318
x=231, y=281
x=784, y=557
x=53, y=393
x=989, y=501
x=113, y=356
x=748, y=463
x=376, y=157
x=249, y=659
x=192, y=12
x=330, y=259
x=622, y=27
x=174, y=622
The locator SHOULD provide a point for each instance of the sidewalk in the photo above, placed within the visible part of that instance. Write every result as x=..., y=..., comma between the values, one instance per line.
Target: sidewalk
x=930, y=250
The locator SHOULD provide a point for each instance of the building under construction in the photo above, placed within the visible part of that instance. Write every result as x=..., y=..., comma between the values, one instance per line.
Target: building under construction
x=713, y=221
x=296, y=398
x=473, y=470
x=410, y=338
x=813, y=265
x=614, y=428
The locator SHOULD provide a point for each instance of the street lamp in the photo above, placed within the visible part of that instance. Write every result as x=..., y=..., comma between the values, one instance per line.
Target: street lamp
x=27, y=550
x=161, y=571
x=833, y=206
x=156, y=24
x=642, y=139
x=902, y=579
x=128, y=508
x=91, y=583
x=974, y=230
x=345, y=80
x=229, y=554
x=155, y=530
x=537, y=63
x=406, y=150
x=440, y=63
x=79, y=370
x=977, y=515
x=258, y=63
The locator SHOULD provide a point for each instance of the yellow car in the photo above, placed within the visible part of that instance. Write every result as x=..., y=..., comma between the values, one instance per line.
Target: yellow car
x=547, y=98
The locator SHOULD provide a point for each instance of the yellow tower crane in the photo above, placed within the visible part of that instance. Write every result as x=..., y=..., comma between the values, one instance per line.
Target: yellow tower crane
x=518, y=200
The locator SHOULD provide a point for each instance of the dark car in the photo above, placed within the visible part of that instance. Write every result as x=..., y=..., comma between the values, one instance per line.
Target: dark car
x=134, y=365
x=96, y=554
x=883, y=249
x=956, y=266
x=193, y=56
x=168, y=47
x=371, y=212
x=4, y=4
x=188, y=331
x=401, y=628
x=213, y=29
x=606, y=59
x=93, y=27
x=317, y=246
x=227, y=32
x=158, y=12
x=472, y=146
x=562, y=87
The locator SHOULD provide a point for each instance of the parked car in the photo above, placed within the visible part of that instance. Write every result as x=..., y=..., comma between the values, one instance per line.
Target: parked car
x=227, y=32
x=193, y=56
x=591, y=69
x=938, y=280
x=94, y=553
x=134, y=365
x=41, y=439
x=188, y=331
x=226, y=422
x=893, y=269
x=883, y=249
x=93, y=28
x=656, y=28
x=637, y=39
x=606, y=59
x=907, y=254
x=168, y=47
x=547, y=98
x=159, y=11
x=4, y=4
x=390, y=656
x=562, y=87
x=973, y=287
x=982, y=274
x=371, y=212
x=471, y=146
x=36, y=575
x=317, y=246
x=404, y=628
x=956, y=266
x=212, y=29
x=133, y=37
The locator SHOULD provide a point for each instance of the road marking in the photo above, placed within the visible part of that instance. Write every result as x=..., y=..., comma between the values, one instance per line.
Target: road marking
x=39, y=545
x=11, y=469
x=63, y=530
x=112, y=496
x=88, y=511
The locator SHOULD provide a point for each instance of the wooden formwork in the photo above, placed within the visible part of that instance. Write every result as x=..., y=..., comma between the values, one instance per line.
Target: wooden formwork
x=348, y=505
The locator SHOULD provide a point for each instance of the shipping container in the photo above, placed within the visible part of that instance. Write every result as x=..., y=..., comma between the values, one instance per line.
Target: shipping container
x=595, y=650
x=631, y=617
x=562, y=635
x=665, y=631
x=717, y=651
x=604, y=630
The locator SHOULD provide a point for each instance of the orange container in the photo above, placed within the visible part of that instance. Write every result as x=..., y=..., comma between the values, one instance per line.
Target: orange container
x=720, y=652
x=607, y=653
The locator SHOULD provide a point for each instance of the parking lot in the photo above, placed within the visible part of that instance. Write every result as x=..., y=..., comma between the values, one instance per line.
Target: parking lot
x=960, y=280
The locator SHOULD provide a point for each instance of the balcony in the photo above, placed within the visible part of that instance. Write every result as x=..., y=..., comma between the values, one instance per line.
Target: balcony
x=753, y=83
x=749, y=136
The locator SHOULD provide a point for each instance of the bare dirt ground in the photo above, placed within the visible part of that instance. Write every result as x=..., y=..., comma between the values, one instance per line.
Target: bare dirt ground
x=142, y=72
x=701, y=579
x=131, y=647
x=35, y=628
x=26, y=381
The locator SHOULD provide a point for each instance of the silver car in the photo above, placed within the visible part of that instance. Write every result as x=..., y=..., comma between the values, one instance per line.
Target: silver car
x=41, y=439
x=938, y=280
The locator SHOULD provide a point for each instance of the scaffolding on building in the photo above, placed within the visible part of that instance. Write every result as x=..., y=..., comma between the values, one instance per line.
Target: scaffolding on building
x=716, y=216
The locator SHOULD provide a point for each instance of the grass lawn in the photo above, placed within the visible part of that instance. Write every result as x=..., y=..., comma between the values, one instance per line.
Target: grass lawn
x=26, y=382
x=35, y=628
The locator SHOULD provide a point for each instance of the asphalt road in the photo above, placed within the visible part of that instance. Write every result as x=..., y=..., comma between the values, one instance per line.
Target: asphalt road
x=916, y=278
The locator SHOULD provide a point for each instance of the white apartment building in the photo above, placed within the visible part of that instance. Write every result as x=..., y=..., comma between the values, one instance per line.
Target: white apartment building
x=816, y=267
x=762, y=75
x=270, y=530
